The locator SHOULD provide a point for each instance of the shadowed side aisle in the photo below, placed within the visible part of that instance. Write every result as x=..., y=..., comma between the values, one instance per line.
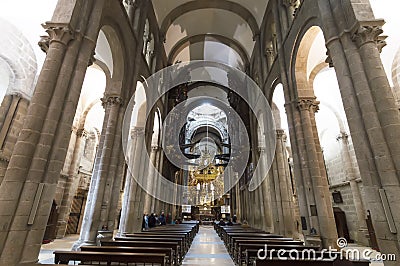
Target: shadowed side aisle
x=207, y=249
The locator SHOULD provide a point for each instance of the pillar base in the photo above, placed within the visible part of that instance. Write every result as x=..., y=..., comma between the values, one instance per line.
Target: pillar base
x=314, y=241
x=78, y=244
x=363, y=237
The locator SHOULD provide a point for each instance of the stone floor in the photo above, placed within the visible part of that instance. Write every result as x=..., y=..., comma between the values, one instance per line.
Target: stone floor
x=46, y=252
x=207, y=249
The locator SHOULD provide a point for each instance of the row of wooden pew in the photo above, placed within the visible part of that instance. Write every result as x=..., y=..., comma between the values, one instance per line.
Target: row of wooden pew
x=251, y=246
x=163, y=245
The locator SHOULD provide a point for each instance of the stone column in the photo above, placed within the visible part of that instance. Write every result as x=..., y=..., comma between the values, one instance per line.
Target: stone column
x=12, y=113
x=114, y=174
x=100, y=182
x=158, y=166
x=150, y=185
x=323, y=207
x=362, y=234
x=28, y=188
x=370, y=109
x=71, y=184
x=286, y=196
x=132, y=205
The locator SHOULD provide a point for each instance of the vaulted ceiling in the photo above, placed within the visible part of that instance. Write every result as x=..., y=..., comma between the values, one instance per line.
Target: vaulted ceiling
x=220, y=30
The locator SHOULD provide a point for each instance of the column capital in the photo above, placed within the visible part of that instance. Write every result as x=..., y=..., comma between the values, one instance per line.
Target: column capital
x=342, y=136
x=269, y=52
x=109, y=100
x=308, y=103
x=290, y=3
x=280, y=134
x=328, y=59
x=57, y=32
x=137, y=132
x=369, y=32
x=81, y=132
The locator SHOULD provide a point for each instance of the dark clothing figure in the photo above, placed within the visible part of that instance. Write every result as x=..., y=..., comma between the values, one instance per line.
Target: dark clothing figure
x=234, y=218
x=152, y=221
x=169, y=218
x=144, y=222
x=229, y=223
x=162, y=220
x=222, y=223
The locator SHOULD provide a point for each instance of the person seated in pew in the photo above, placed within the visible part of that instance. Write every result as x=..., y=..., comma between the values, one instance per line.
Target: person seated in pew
x=152, y=221
x=221, y=222
x=245, y=224
x=162, y=219
x=229, y=222
x=234, y=219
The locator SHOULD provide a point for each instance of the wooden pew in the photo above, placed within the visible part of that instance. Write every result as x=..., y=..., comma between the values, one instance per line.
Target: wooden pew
x=302, y=254
x=233, y=244
x=166, y=251
x=239, y=254
x=181, y=243
x=327, y=262
x=64, y=257
x=234, y=236
x=178, y=256
x=183, y=237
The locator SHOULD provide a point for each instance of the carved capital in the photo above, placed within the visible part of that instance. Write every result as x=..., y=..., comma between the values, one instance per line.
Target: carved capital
x=280, y=134
x=291, y=3
x=17, y=95
x=137, y=132
x=381, y=42
x=44, y=43
x=261, y=149
x=269, y=52
x=92, y=58
x=81, y=133
x=370, y=34
x=61, y=33
x=342, y=136
x=308, y=104
x=328, y=59
x=110, y=100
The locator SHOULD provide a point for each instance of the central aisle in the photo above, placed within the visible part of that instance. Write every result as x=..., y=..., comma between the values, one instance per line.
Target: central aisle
x=207, y=249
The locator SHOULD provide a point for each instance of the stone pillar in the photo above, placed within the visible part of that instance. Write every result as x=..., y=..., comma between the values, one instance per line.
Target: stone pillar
x=133, y=204
x=323, y=207
x=28, y=188
x=158, y=166
x=115, y=201
x=71, y=184
x=12, y=113
x=284, y=185
x=371, y=111
x=362, y=233
x=303, y=180
x=97, y=201
x=150, y=186
x=115, y=169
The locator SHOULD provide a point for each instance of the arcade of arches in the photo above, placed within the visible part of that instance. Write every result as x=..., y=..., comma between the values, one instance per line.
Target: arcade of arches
x=83, y=144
